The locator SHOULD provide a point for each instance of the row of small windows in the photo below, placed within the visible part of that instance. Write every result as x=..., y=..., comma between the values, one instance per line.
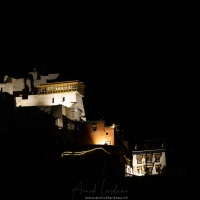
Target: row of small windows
x=57, y=89
x=94, y=127
x=149, y=159
x=60, y=88
x=148, y=170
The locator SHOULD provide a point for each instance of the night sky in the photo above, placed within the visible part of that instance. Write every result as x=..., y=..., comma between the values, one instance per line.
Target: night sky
x=139, y=66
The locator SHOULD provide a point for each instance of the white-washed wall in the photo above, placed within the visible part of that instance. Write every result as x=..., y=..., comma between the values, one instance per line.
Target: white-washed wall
x=80, y=105
x=75, y=109
x=47, y=100
x=7, y=87
x=163, y=159
x=18, y=84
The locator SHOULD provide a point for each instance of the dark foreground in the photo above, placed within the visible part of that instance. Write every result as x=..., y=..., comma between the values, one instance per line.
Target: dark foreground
x=57, y=186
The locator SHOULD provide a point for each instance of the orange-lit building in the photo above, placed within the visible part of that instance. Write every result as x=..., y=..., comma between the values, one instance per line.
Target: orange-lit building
x=95, y=133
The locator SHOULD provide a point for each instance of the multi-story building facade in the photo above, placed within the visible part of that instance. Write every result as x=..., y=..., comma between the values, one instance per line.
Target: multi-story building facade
x=60, y=99
x=151, y=160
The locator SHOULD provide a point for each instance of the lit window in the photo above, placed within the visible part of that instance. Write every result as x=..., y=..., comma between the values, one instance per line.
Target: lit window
x=139, y=160
x=149, y=159
x=157, y=159
x=139, y=170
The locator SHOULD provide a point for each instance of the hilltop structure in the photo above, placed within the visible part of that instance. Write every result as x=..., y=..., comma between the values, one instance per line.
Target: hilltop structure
x=58, y=98
x=63, y=101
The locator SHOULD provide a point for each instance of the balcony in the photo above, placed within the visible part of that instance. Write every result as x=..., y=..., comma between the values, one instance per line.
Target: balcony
x=61, y=87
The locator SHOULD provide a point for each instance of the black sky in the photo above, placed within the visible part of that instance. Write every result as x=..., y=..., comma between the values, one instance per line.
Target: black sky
x=139, y=65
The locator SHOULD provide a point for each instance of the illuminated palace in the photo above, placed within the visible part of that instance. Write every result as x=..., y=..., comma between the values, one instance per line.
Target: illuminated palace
x=64, y=101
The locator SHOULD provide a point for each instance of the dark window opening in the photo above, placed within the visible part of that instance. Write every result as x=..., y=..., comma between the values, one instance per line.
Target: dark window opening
x=94, y=126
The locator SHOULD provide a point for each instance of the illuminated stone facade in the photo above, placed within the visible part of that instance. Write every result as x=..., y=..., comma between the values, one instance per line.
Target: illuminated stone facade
x=35, y=90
